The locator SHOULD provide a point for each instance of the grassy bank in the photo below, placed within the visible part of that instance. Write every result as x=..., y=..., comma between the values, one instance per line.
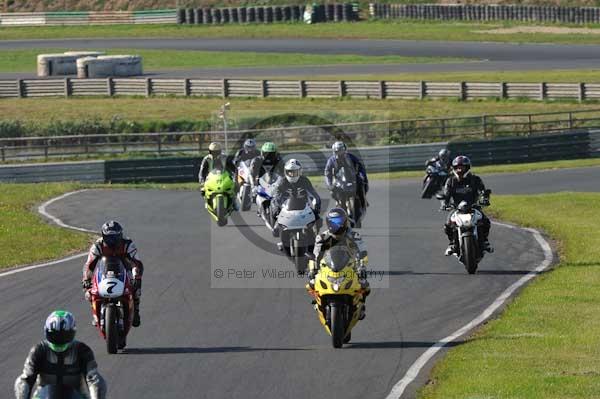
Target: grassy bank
x=336, y=110
x=25, y=60
x=547, y=343
x=404, y=29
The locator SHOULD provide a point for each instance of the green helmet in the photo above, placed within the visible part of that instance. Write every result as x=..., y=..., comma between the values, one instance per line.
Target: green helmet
x=60, y=330
x=268, y=147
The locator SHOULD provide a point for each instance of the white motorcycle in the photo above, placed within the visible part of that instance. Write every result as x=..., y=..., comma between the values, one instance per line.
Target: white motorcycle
x=466, y=218
x=244, y=194
x=264, y=194
x=298, y=230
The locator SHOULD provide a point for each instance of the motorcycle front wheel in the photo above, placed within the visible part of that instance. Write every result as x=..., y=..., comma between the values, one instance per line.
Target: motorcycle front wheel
x=337, y=326
x=469, y=254
x=111, y=329
x=221, y=211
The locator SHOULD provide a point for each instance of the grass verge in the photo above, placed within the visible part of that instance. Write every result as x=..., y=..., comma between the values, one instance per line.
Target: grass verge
x=547, y=342
x=336, y=110
x=403, y=29
x=25, y=60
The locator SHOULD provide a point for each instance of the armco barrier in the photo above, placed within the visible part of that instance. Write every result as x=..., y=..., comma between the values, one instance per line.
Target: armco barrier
x=332, y=89
x=487, y=12
x=168, y=16
x=91, y=172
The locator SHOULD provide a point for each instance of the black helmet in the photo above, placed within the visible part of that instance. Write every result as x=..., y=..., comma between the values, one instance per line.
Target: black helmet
x=337, y=222
x=461, y=167
x=112, y=234
x=444, y=155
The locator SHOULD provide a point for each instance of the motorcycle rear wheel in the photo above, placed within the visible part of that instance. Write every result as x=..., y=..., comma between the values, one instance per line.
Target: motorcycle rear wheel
x=111, y=329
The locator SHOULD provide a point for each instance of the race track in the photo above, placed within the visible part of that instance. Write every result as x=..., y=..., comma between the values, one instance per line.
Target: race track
x=478, y=56
x=198, y=341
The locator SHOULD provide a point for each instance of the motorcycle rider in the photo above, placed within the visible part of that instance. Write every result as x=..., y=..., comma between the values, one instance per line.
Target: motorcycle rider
x=442, y=160
x=268, y=157
x=248, y=151
x=340, y=158
x=339, y=233
x=60, y=360
x=462, y=185
x=214, y=160
x=113, y=243
x=295, y=185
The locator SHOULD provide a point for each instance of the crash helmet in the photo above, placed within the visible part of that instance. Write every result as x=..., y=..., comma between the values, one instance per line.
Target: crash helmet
x=444, y=156
x=461, y=167
x=59, y=330
x=293, y=170
x=338, y=148
x=269, y=150
x=337, y=222
x=112, y=234
x=250, y=145
x=214, y=149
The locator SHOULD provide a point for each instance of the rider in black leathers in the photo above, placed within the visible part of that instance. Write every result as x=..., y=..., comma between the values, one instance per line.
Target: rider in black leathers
x=442, y=160
x=60, y=360
x=462, y=185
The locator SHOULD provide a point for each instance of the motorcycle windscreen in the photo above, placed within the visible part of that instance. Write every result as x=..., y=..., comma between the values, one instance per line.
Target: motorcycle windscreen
x=295, y=203
x=56, y=392
x=338, y=257
x=111, y=264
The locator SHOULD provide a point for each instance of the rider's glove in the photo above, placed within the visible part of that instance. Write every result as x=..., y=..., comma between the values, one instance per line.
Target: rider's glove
x=86, y=284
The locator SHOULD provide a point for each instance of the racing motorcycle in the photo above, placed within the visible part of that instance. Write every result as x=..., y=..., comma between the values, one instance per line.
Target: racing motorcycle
x=434, y=180
x=338, y=294
x=244, y=176
x=219, y=194
x=264, y=195
x=466, y=218
x=296, y=225
x=112, y=302
x=346, y=189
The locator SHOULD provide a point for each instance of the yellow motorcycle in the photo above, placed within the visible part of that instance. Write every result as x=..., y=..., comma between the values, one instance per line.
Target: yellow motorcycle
x=219, y=194
x=338, y=294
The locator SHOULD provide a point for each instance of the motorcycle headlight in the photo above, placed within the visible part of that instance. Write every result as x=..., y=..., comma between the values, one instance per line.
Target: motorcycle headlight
x=336, y=282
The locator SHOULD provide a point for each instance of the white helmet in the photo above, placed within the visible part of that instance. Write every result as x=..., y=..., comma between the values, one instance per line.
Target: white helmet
x=293, y=170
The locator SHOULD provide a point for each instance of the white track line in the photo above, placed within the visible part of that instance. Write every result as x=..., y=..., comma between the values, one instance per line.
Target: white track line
x=416, y=367
x=42, y=210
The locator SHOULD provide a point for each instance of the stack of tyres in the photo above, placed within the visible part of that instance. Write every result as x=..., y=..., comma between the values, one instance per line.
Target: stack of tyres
x=242, y=15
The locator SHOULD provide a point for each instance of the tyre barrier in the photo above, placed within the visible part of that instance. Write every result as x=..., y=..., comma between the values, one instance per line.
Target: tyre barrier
x=331, y=12
x=62, y=64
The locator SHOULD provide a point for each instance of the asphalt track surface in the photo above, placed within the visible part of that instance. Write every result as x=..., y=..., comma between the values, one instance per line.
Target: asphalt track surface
x=482, y=56
x=198, y=341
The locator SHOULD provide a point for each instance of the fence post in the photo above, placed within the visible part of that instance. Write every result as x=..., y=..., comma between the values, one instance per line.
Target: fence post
x=67, y=87
x=463, y=91
x=158, y=143
x=21, y=88
x=224, y=88
x=109, y=87
x=381, y=90
x=503, y=91
x=186, y=87
x=529, y=124
x=581, y=94
x=421, y=90
x=341, y=88
x=263, y=88
x=148, y=87
x=301, y=89
x=3, y=154
x=46, y=145
x=570, y=120
x=484, y=125
x=443, y=121
x=542, y=91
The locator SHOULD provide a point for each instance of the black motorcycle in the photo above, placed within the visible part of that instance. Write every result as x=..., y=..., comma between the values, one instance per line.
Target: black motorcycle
x=434, y=180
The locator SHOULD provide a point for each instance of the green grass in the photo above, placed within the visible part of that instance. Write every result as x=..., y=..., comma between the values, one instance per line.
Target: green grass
x=536, y=76
x=25, y=60
x=177, y=108
x=406, y=30
x=547, y=342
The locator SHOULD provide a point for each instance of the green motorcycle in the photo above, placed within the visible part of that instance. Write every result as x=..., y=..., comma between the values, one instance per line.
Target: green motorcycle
x=219, y=194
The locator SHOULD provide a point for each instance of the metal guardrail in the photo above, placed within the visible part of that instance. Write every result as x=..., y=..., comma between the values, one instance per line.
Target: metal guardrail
x=225, y=88
x=167, y=16
x=303, y=136
x=487, y=12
